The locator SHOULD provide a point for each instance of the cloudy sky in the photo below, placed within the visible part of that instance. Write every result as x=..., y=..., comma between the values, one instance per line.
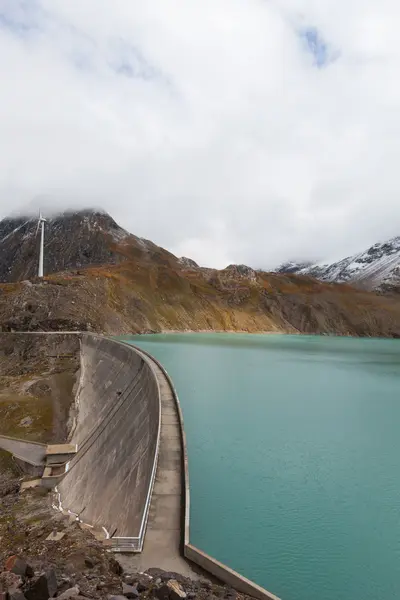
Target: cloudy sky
x=249, y=131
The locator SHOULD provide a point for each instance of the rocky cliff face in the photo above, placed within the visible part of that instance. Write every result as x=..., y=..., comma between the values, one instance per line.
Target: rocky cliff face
x=72, y=240
x=240, y=272
x=188, y=263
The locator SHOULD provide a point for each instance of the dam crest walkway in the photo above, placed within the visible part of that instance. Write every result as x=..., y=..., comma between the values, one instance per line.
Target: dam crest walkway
x=163, y=539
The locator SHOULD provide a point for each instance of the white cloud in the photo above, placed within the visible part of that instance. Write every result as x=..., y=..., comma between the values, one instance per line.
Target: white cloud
x=207, y=126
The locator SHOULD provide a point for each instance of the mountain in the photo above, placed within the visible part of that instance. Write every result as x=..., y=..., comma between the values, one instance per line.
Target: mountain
x=376, y=268
x=293, y=267
x=99, y=277
x=73, y=240
x=188, y=263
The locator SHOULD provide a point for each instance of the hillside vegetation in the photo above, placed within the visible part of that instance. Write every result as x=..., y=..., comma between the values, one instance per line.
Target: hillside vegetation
x=102, y=278
x=154, y=293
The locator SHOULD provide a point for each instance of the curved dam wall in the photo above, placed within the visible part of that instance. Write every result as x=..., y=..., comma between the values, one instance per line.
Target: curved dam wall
x=109, y=482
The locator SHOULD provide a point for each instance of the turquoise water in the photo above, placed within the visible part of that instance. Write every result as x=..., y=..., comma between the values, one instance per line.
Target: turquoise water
x=294, y=458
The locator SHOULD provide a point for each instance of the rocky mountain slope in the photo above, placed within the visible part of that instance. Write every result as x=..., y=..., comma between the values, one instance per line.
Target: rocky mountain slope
x=107, y=280
x=292, y=266
x=72, y=240
x=154, y=295
x=378, y=267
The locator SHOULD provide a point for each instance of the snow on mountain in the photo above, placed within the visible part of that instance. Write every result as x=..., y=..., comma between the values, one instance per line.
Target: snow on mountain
x=187, y=263
x=373, y=268
x=293, y=266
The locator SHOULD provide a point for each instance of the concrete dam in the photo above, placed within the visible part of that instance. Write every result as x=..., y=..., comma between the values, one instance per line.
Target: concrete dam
x=129, y=478
x=109, y=482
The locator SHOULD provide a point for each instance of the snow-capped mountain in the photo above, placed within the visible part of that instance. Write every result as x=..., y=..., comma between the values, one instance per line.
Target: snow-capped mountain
x=187, y=263
x=376, y=267
x=292, y=266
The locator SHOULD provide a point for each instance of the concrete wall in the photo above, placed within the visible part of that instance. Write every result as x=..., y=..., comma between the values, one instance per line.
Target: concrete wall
x=32, y=453
x=117, y=433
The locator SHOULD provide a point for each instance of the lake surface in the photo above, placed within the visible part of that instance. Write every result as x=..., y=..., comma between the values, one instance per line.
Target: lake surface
x=294, y=458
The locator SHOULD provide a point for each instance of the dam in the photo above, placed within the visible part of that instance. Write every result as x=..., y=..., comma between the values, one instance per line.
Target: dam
x=294, y=457
x=123, y=472
x=117, y=433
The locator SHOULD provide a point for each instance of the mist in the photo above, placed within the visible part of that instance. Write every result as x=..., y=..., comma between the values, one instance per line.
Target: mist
x=229, y=131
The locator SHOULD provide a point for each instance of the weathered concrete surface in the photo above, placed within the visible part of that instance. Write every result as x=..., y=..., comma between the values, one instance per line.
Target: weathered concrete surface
x=117, y=433
x=30, y=452
x=163, y=541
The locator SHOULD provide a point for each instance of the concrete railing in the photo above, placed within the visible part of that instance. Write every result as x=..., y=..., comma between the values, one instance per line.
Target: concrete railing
x=32, y=453
x=193, y=554
x=117, y=433
x=135, y=544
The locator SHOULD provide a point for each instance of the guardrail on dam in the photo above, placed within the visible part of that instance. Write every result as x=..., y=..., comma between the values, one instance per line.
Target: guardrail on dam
x=109, y=482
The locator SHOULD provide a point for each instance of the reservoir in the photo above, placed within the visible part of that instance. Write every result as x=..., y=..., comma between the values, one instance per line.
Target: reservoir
x=294, y=458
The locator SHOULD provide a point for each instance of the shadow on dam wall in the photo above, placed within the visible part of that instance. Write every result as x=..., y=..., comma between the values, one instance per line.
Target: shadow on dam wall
x=109, y=481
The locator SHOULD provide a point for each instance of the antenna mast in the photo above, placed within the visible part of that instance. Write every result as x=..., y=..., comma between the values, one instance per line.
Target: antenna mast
x=40, y=224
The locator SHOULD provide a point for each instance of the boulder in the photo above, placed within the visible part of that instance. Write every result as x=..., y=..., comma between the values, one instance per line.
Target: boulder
x=155, y=572
x=172, y=590
x=70, y=593
x=10, y=580
x=143, y=585
x=129, y=591
x=142, y=581
x=16, y=594
x=42, y=587
x=167, y=575
x=162, y=593
x=115, y=567
x=11, y=584
x=176, y=591
x=52, y=583
x=19, y=566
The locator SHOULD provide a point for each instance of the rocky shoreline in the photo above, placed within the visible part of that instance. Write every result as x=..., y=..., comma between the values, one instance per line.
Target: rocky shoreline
x=20, y=580
x=46, y=554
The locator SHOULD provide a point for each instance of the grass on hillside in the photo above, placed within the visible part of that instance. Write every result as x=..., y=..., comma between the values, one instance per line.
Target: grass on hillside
x=26, y=417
